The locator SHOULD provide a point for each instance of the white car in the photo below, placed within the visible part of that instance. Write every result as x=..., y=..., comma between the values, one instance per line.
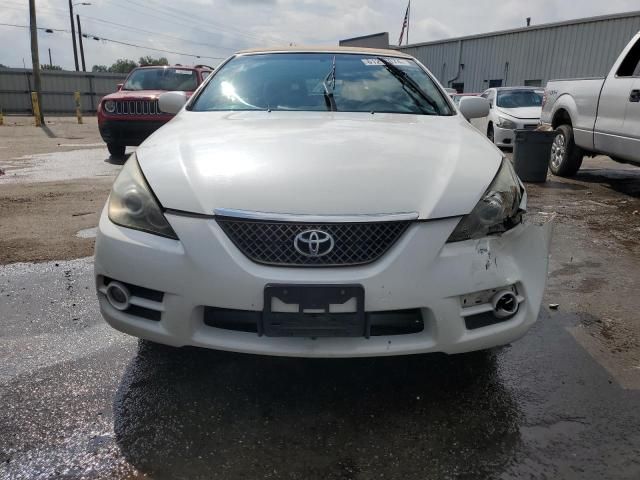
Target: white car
x=511, y=108
x=320, y=203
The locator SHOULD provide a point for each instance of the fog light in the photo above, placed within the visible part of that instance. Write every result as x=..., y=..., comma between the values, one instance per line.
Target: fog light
x=118, y=296
x=505, y=304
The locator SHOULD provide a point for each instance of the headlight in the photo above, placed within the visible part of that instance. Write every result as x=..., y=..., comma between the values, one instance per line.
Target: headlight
x=506, y=123
x=497, y=211
x=133, y=205
x=109, y=106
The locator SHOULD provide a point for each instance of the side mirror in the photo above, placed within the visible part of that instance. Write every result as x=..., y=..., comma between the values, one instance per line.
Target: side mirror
x=172, y=102
x=119, y=86
x=474, y=107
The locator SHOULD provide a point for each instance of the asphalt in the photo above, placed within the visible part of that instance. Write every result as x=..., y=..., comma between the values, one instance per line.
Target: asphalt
x=83, y=401
x=80, y=400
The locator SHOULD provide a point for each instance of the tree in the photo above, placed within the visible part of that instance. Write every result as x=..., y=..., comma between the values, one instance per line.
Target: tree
x=149, y=60
x=50, y=67
x=123, y=65
x=100, y=68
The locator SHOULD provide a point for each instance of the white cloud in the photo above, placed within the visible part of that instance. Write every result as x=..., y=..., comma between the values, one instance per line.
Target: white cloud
x=228, y=25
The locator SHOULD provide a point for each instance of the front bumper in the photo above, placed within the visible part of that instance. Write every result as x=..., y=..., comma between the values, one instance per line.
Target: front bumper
x=421, y=271
x=128, y=132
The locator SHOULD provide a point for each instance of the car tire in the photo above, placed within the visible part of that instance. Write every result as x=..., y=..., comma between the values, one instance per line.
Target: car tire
x=116, y=151
x=490, y=133
x=566, y=157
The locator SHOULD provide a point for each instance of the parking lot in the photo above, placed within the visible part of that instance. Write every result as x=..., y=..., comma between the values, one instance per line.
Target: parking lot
x=80, y=400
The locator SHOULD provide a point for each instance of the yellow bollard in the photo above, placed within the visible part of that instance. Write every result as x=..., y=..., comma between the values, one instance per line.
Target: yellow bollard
x=76, y=97
x=36, y=108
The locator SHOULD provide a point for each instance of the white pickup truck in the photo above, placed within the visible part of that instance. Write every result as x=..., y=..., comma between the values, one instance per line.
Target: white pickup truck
x=595, y=116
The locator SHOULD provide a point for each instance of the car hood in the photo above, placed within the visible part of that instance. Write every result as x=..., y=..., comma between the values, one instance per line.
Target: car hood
x=523, y=113
x=136, y=94
x=320, y=163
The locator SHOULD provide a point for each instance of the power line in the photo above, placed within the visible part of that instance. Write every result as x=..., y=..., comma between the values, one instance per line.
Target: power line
x=39, y=28
x=95, y=37
x=169, y=16
x=181, y=18
x=105, y=39
x=129, y=28
x=173, y=12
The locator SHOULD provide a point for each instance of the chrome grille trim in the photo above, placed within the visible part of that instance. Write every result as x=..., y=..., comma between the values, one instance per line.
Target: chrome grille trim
x=309, y=218
x=271, y=242
x=137, y=107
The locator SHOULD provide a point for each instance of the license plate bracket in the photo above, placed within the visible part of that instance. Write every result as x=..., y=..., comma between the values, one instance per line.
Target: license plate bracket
x=314, y=316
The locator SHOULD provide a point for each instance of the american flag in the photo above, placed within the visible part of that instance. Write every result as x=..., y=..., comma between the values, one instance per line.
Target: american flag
x=405, y=24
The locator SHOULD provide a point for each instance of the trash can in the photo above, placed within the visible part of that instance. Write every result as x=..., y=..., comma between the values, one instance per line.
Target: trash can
x=531, y=152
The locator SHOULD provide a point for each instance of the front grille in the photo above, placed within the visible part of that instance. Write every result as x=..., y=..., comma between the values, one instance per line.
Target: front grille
x=272, y=243
x=137, y=107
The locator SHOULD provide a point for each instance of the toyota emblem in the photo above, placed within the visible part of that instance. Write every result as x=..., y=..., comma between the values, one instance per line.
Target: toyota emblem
x=313, y=243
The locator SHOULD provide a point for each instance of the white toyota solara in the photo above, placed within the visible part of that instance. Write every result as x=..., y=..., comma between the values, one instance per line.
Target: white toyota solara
x=320, y=203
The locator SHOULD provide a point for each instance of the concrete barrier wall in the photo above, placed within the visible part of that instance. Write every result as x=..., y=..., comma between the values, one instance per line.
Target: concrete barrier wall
x=58, y=88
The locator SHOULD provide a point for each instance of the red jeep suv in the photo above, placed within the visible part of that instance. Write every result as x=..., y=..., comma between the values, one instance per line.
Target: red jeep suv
x=128, y=116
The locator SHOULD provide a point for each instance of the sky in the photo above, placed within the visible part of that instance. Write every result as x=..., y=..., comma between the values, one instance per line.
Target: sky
x=214, y=29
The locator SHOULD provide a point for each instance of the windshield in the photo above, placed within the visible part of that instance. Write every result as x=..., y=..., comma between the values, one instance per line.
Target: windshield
x=322, y=82
x=519, y=98
x=162, y=79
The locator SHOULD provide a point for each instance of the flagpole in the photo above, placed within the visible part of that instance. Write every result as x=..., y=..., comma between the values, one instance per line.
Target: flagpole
x=408, y=21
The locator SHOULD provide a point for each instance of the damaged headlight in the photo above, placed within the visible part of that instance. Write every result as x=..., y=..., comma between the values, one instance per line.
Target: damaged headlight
x=132, y=204
x=497, y=211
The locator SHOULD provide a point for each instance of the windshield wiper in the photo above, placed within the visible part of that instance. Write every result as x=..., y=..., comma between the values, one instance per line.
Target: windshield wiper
x=328, y=94
x=404, y=78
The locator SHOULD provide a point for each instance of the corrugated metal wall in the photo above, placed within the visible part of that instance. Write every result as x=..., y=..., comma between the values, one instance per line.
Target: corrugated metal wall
x=584, y=48
x=377, y=40
x=58, y=88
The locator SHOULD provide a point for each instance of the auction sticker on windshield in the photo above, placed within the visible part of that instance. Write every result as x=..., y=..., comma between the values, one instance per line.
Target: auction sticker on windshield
x=394, y=61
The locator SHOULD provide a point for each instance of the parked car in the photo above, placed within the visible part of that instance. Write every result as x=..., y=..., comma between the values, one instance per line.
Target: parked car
x=128, y=116
x=597, y=115
x=512, y=108
x=456, y=97
x=320, y=203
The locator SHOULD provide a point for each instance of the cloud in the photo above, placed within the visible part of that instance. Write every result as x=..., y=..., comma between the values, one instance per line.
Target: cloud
x=218, y=27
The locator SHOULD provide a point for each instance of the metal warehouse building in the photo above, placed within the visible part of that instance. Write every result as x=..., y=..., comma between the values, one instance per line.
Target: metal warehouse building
x=526, y=56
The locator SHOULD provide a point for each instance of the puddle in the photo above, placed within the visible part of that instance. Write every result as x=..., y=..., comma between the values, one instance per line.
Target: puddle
x=87, y=233
x=59, y=166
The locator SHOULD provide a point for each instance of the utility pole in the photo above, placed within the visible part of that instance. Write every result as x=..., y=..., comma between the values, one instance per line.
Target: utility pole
x=50, y=62
x=84, y=68
x=35, y=61
x=73, y=35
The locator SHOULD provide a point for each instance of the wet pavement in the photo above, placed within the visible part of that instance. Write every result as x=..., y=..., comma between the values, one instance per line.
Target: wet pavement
x=83, y=401
x=80, y=400
x=57, y=166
